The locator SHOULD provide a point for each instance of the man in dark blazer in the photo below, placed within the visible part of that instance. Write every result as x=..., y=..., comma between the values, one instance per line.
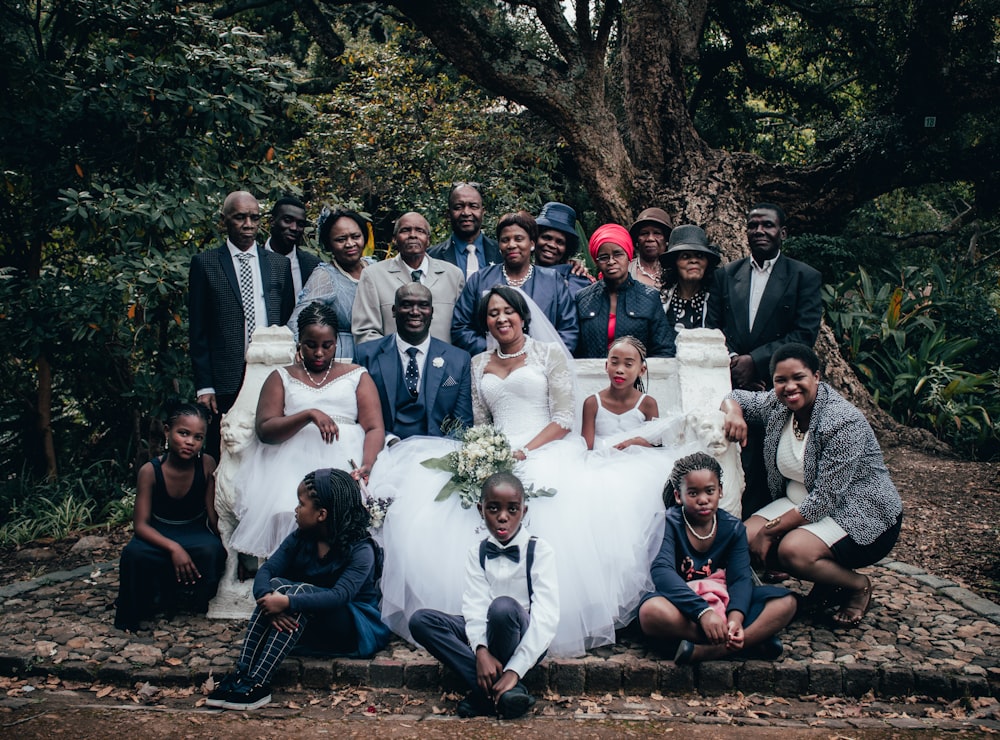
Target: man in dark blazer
x=424, y=384
x=762, y=302
x=219, y=324
x=782, y=295
x=288, y=227
x=465, y=211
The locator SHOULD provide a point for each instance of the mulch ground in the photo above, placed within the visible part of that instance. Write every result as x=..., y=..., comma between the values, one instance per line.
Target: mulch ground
x=951, y=525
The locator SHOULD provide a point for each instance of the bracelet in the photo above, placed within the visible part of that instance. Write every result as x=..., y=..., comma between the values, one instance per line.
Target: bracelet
x=523, y=451
x=773, y=523
x=702, y=613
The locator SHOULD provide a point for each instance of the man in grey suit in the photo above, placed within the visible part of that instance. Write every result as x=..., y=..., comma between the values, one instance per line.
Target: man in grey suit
x=762, y=302
x=373, y=313
x=288, y=227
x=467, y=247
x=424, y=385
x=232, y=290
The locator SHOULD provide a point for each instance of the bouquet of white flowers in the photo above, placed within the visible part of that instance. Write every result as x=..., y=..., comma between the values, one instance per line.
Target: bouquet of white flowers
x=485, y=451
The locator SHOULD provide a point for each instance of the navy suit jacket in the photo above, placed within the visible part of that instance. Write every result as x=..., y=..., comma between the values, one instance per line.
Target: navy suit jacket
x=790, y=309
x=446, y=251
x=547, y=288
x=216, y=323
x=447, y=389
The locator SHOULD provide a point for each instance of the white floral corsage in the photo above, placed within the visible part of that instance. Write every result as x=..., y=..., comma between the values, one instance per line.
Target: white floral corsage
x=438, y=362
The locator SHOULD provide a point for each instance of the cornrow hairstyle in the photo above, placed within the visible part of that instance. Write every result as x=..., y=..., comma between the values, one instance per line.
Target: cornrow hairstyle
x=499, y=479
x=178, y=407
x=317, y=313
x=688, y=464
x=640, y=348
x=347, y=519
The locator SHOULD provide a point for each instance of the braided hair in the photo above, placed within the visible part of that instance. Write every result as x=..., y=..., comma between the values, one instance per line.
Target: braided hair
x=688, y=464
x=347, y=519
x=640, y=348
x=177, y=407
x=317, y=314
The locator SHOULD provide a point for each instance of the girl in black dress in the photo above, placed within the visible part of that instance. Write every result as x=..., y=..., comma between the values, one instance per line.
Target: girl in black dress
x=176, y=548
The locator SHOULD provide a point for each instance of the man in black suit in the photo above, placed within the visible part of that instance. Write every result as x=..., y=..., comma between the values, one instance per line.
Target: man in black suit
x=467, y=246
x=288, y=227
x=762, y=302
x=424, y=384
x=232, y=289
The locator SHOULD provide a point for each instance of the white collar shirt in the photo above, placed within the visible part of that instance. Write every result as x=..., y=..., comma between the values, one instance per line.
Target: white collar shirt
x=293, y=258
x=501, y=576
x=422, y=350
x=259, y=307
x=759, y=276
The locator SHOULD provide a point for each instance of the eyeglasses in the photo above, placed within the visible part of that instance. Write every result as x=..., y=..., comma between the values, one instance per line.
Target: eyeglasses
x=603, y=259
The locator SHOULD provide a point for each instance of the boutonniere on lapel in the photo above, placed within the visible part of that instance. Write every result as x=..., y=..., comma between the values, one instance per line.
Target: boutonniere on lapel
x=438, y=362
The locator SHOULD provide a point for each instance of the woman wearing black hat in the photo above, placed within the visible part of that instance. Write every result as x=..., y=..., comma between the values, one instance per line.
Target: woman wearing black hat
x=558, y=243
x=688, y=266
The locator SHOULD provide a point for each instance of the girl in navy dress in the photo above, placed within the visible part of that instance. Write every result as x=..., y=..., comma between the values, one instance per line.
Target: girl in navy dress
x=176, y=547
x=320, y=584
x=705, y=595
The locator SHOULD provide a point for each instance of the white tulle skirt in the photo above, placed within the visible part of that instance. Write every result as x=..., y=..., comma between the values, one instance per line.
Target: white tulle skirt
x=605, y=524
x=268, y=483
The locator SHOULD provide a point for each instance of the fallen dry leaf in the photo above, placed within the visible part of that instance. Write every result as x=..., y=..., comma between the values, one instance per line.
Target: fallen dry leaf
x=104, y=692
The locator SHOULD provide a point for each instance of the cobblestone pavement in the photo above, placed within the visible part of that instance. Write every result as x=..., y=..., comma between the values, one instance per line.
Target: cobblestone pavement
x=924, y=637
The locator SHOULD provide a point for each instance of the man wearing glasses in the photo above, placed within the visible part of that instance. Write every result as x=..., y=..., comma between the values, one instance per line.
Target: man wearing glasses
x=232, y=290
x=467, y=246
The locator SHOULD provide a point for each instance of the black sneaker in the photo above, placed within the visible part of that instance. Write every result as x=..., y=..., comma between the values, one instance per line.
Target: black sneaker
x=515, y=703
x=222, y=690
x=475, y=704
x=248, y=697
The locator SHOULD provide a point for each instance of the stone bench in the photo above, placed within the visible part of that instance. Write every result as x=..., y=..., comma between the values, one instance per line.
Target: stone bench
x=689, y=387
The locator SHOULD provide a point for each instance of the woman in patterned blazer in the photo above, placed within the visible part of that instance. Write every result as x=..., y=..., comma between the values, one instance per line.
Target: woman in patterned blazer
x=834, y=506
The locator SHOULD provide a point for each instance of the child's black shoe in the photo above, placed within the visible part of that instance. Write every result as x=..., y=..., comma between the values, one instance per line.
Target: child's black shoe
x=248, y=697
x=475, y=704
x=515, y=703
x=223, y=689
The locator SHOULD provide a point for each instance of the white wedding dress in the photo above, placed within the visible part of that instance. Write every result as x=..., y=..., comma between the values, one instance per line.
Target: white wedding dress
x=605, y=522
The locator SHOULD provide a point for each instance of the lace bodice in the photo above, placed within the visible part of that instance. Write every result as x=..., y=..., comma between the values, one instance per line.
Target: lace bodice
x=528, y=399
x=337, y=398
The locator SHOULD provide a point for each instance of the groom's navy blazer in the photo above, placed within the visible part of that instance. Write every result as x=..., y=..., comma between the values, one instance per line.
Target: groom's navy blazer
x=445, y=384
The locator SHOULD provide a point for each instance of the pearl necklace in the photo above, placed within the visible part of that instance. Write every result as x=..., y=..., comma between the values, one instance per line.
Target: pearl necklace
x=517, y=283
x=322, y=380
x=710, y=535
x=504, y=356
x=658, y=279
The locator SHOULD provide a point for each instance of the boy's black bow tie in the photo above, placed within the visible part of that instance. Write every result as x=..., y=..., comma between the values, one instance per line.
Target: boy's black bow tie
x=494, y=551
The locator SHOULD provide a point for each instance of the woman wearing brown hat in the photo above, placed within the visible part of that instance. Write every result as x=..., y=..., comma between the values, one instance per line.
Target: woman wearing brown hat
x=688, y=266
x=649, y=234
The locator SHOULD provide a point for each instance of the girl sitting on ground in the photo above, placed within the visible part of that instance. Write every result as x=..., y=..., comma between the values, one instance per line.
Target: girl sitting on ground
x=705, y=595
x=322, y=577
x=176, y=550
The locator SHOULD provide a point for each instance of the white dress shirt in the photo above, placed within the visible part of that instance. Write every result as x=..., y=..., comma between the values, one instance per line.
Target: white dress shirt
x=293, y=257
x=759, y=275
x=424, y=267
x=422, y=350
x=502, y=577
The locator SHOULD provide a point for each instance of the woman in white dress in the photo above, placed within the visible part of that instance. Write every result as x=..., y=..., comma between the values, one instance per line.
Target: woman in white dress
x=603, y=524
x=317, y=413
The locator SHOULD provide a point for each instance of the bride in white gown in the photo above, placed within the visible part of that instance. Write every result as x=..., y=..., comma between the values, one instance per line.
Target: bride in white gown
x=604, y=523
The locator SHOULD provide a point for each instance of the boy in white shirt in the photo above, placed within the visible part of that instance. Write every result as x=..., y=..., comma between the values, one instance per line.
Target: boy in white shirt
x=510, y=609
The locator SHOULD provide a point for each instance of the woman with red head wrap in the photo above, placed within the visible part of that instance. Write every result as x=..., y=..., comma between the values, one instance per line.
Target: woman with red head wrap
x=618, y=305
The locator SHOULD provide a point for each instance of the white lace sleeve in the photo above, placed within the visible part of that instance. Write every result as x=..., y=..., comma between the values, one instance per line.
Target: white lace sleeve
x=562, y=382
x=319, y=287
x=480, y=413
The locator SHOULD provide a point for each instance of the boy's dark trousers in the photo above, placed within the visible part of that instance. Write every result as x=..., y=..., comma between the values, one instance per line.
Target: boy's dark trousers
x=443, y=636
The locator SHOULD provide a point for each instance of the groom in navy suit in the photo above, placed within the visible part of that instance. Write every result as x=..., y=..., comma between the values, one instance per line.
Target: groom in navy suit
x=424, y=384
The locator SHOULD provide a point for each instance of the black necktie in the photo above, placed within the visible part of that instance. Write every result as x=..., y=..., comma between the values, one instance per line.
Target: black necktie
x=512, y=552
x=412, y=376
x=416, y=275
